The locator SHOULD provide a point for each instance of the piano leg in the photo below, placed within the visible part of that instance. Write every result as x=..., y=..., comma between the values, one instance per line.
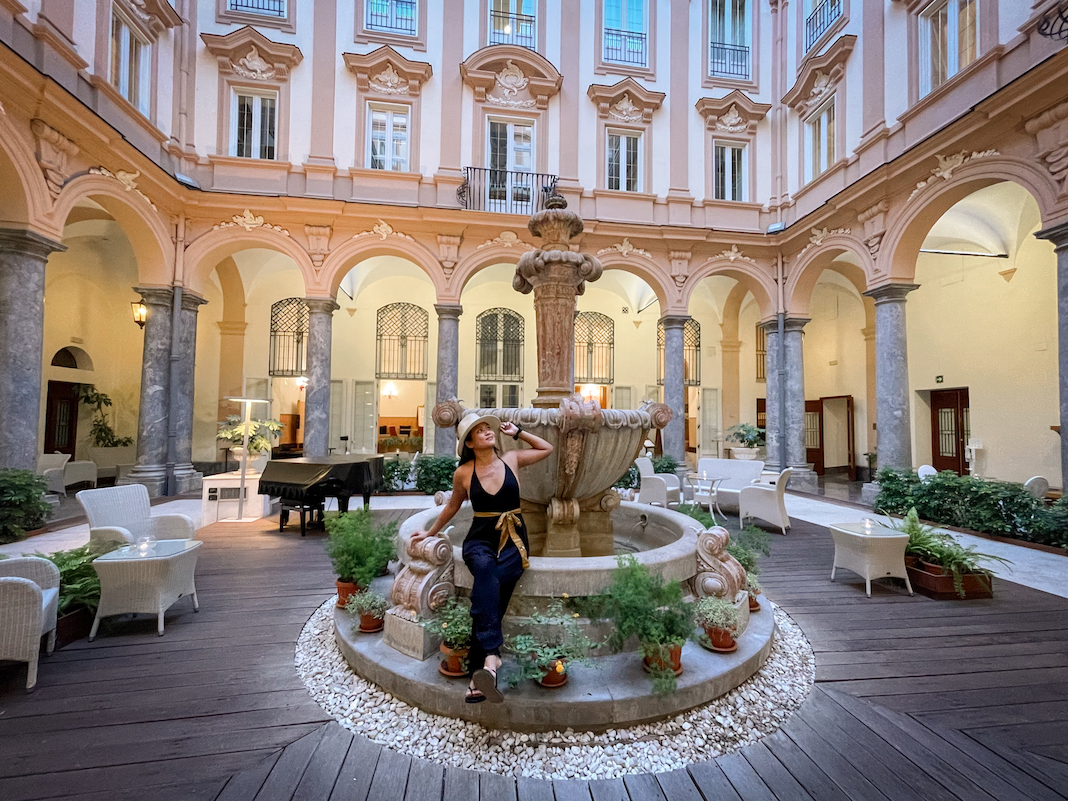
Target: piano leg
x=283, y=518
x=303, y=524
x=342, y=504
x=367, y=500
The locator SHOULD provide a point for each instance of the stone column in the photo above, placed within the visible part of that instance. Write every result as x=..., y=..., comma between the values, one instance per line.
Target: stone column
x=871, y=396
x=892, y=375
x=186, y=479
x=771, y=394
x=317, y=393
x=152, y=417
x=22, y=280
x=674, y=438
x=803, y=478
x=448, y=371
x=1059, y=236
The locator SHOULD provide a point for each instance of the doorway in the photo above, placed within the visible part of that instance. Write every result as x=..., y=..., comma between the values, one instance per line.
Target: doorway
x=950, y=429
x=839, y=437
x=61, y=418
x=814, y=435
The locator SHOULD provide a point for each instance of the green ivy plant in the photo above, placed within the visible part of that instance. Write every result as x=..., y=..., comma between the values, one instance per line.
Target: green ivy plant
x=101, y=433
x=452, y=623
x=22, y=504
x=261, y=433
x=555, y=636
x=359, y=549
x=746, y=435
x=434, y=473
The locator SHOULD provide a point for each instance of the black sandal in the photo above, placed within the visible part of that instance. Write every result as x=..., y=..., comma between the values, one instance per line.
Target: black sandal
x=470, y=698
x=485, y=681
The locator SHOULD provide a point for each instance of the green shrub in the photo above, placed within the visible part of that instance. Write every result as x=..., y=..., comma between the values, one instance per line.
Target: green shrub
x=895, y=491
x=745, y=546
x=716, y=613
x=79, y=584
x=101, y=432
x=556, y=635
x=434, y=473
x=753, y=539
x=22, y=506
x=452, y=623
x=359, y=549
x=665, y=464
x=395, y=474
x=746, y=434
x=367, y=602
x=628, y=480
x=698, y=513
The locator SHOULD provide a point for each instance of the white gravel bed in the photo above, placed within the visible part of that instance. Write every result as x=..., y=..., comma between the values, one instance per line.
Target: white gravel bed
x=751, y=711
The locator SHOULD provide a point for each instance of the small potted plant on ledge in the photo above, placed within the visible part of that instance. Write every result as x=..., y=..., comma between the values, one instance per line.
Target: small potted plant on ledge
x=261, y=436
x=452, y=624
x=719, y=619
x=556, y=640
x=359, y=550
x=752, y=586
x=370, y=607
x=749, y=439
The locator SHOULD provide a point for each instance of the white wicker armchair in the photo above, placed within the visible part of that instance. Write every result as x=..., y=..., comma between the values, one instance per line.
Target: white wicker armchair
x=29, y=600
x=671, y=481
x=123, y=514
x=53, y=467
x=765, y=502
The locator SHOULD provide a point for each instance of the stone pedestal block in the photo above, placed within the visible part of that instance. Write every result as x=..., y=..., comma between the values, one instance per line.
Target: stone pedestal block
x=410, y=638
x=804, y=480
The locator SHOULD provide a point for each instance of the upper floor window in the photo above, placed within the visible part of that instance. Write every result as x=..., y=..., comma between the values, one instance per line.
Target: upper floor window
x=728, y=171
x=388, y=138
x=289, y=337
x=595, y=338
x=499, y=342
x=948, y=41
x=403, y=330
x=625, y=39
x=268, y=8
x=130, y=72
x=819, y=135
x=513, y=22
x=624, y=161
x=728, y=28
x=691, y=353
x=392, y=16
x=820, y=15
x=255, y=122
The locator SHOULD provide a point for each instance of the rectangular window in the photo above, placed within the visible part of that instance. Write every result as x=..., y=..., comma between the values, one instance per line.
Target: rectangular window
x=948, y=41
x=393, y=16
x=255, y=122
x=513, y=22
x=820, y=130
x=728, y=171
x=388, y=139
x=820, y=15
x=511, y=178
x=268, y=8
x=728, y=27
x=625, y=38
x=624, y=161
x=761, y=354
x=487, y=396
x=129, y=71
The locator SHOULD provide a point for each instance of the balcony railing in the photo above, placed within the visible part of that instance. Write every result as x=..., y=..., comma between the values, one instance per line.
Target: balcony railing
x=505, y=191
x=395, y=16
x=514, y=29
x=728, y=60
x=269, y=8
x=625, y=47
x=820, y=20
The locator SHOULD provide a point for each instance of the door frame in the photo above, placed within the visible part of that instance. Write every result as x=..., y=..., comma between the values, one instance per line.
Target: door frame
x=963, y=402
x=851, y=434
x=50, y=409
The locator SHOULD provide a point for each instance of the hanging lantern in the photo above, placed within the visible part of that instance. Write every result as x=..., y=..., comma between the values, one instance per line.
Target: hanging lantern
x=140, y=312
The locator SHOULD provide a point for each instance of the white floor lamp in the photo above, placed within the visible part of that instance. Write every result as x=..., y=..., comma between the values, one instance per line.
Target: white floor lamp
x=246, y=414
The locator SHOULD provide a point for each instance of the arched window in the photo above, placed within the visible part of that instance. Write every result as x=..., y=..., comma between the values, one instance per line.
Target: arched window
x=289, y=337
x=402, y=341
x=595, y=337
x=499, y=343
x=691, y=353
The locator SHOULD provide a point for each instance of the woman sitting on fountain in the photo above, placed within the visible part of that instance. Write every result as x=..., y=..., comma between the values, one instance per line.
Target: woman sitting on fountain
x=495, y=550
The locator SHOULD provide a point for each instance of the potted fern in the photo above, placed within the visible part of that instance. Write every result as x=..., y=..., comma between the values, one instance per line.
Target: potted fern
x=359, y=550
x=370, y=607
x=261, y=436
x=452, y=624
x=719, y=619
x=556, y=639
x=749, y=439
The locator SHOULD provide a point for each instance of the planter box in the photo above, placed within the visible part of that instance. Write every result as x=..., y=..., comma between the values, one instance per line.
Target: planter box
x=941, y=587
x=73, y=626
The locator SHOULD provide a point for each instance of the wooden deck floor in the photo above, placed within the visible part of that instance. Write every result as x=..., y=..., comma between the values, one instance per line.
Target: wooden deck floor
x=915, y=699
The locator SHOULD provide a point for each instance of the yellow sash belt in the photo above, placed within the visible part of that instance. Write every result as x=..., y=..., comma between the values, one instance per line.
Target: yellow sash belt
x=506, y=523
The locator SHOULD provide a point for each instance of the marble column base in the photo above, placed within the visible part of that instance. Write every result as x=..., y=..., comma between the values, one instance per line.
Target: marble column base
x=803, y=480
x=154, y=477
x=187, y=480
x=869, y=492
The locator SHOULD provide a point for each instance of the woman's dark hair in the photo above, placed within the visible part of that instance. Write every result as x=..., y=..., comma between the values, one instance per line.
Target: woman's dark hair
x=467, y=454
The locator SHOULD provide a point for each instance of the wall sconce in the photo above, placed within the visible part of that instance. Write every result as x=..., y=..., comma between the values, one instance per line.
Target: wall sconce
x=302, y=382
x=140, y=312
x=389, y=390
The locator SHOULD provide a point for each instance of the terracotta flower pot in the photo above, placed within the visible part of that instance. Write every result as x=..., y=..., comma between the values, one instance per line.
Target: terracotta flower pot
x=911, y=561
x=555, y=676
x=934, y=570
x=453, y=663
x=721, y=639
x=674, y=657
x=344, y=590
x=369, y=624
x=754, y=604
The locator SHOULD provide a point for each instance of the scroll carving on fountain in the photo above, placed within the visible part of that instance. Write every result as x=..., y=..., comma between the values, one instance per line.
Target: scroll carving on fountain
x=719, y=574
x=426, y=582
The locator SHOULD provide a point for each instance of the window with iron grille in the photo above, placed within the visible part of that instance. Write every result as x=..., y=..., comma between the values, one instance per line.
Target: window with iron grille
x=402, y=341
x=289, y=337
x=499, y=345
x=691, y=353
x=761, y=354
x=595, y=337
x=394, y=16
x=269, y=8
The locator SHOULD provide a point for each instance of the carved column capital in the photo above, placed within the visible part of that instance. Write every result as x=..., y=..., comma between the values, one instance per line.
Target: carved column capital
x=321, y=305
x=890, y=293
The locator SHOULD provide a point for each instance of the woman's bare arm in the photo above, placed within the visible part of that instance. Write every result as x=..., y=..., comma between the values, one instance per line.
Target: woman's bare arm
x=538, y=450
x=459, y=495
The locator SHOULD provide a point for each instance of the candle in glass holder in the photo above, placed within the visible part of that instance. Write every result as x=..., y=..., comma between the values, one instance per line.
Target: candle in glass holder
x=867, y=523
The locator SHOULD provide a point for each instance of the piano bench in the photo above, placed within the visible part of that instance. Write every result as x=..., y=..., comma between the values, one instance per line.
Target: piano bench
x=303, y=510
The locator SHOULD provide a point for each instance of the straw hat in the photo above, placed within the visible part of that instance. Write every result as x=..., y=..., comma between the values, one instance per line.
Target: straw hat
x=469, y=421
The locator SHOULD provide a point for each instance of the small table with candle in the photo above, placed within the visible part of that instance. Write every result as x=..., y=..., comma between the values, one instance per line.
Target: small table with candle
x=704, y=486
x=870, y=550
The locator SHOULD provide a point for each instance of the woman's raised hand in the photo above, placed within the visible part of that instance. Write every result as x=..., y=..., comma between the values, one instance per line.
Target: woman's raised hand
x=419, y=536
x=508, y=429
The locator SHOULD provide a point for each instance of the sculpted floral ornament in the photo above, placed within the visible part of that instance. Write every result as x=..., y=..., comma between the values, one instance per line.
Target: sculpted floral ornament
x=624, y=110
x=948, y=164
x=249, y=222
x=512, y=81
x=734, y=255
x=382, y=230
x=127, y=179
x=254, y=67
x=732, y=121
x=507, y=239
x=389, y=82
x=624, y=248
x=820, y=234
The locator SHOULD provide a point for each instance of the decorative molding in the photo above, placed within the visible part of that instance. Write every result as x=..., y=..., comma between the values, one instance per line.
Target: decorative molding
x=382, y=230
x=625, y=110
x=389, y=82
x=249, y=54
x=1008, y=274
x=719, y=575
x=154, y=15
x=318, y=243
x=53, y=152
x=820, y=76
x=387, y=72
x=625, y=248
x=820, y=234
x=514, y=70
x=424, y=584
x=680, y=267
x=736, y=113
x=948, y=164
x=507, y=239
x=253, y=67
x=127, y=179
x=733, y=254
x=627, y=101
x=249, y=222
x=874, y=221
x=448, y=253
x=1050, y=129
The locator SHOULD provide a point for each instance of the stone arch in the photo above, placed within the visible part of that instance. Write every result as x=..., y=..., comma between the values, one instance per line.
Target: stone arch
x=909, y=227
x=646, y=269
x=750, y=275
x=205, y=253
x=479, y=260
x=343, y=258
x=810, y=265
x=149, y=235
x=72, y=356
x=26, y=202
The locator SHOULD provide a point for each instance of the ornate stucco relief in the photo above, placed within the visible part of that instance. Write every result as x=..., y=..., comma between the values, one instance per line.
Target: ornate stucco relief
x=624, y=248
x=733, y=254
x=249, y=222
x=53, y=152
x=382, y=230
x=318, y=243
x=507, y=239
x=948, y=164
x=253, y=66
x=127, y=179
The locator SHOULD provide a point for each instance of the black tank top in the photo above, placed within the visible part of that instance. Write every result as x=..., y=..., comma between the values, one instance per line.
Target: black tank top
x=505, y=499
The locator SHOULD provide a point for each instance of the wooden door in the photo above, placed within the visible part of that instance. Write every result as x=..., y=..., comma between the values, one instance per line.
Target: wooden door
x=814, y=435
x=61, y=418
x=950, y=429
x=851, y=457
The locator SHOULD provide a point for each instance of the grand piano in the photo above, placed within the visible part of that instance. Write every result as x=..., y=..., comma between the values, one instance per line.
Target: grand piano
x=305, y=483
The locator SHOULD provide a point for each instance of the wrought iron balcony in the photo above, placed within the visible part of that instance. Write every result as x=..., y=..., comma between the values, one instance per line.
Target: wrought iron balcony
x=821, y=18
x=728, y=60
x=505, y=191
x=269, y=8
x=625, y=47
x=514, y=29
x=395, y=16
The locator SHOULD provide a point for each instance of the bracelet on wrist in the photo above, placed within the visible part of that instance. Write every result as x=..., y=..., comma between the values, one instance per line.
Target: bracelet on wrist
x=518, y=431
